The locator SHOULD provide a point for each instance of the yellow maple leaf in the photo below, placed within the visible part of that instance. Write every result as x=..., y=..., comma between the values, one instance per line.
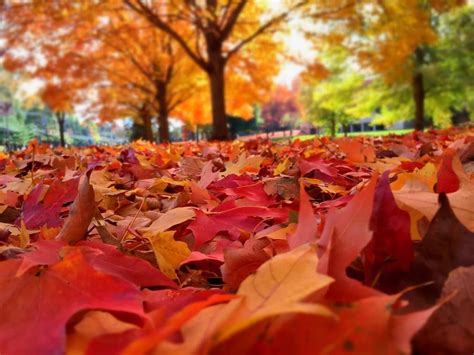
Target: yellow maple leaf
x=278, y=287
x=281, y=167
x=169, y=253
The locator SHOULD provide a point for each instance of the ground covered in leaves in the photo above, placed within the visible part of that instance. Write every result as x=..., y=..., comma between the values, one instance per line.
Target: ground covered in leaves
x=361, y=245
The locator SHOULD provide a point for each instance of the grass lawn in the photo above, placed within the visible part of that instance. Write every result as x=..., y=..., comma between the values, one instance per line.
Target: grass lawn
x=352, y=134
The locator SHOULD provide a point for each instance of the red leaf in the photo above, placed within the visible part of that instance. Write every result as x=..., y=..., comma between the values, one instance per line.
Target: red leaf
x=367, y=326
x=174, y=300
x=102, y=257
x=38, y=212
x=44, y=299
x=315, y=163
x=345, y=234
x=241, y=262
x=253, y=192
x=105, y=258
x=205, y=227
x=307, y=224
x=448, y=181
x=391, y=248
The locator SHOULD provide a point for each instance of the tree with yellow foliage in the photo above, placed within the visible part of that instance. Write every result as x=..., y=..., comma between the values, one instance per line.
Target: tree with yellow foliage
x=392, y=39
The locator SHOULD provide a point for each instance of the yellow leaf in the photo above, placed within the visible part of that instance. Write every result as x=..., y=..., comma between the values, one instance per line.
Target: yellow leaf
x=243, y=164
x=419, y=180
x=278, y=287
x=281, y=167
x=281, y=233
x=333, y=189
x=94, y=324
x=427, y=202
x=171, y=218
x=169, y=253
x=312, y=181
x=24, y=236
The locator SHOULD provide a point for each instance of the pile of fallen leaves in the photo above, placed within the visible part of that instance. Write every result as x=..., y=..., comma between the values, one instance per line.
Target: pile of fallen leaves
x=360, y=245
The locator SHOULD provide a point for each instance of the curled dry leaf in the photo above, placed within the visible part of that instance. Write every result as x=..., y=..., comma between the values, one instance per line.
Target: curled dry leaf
x=80, y=213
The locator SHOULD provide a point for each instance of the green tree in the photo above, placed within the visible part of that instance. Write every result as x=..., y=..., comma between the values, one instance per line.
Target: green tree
x=329, y=101
x=447, y=71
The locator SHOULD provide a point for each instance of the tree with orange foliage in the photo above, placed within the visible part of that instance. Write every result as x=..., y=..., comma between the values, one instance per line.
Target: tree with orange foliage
x=148, y=77
x=131, y=69
x=219, y=31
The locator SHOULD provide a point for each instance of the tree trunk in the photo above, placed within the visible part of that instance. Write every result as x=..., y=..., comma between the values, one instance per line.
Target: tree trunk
x=217, y=83
x=345, y=128
x=147, y=129
x=333, y=127
x=60, y=116
x=419, y=98
x=163, y=125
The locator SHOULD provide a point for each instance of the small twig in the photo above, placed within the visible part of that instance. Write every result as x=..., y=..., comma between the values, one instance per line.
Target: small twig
x=132, y=221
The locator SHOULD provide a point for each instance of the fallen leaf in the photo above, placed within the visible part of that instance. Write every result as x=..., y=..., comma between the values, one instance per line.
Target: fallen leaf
x=448, y=181
x=93, y=325
x=427, y=202
x=169, y=253
x=171, y=218
x=447, y=245
x=346, y=233
x=307, y=224
x=450, y=329
x=80, y=213
x=239, y=263
x=47, y=297
x=278, y=287
x=390, y=248
x=43, y=204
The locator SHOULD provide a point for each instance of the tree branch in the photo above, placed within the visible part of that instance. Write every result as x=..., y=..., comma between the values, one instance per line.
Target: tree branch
x=155, y=19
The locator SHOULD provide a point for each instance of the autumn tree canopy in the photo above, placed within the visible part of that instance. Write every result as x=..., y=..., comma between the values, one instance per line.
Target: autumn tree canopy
x=222, y=29
x=394, y=40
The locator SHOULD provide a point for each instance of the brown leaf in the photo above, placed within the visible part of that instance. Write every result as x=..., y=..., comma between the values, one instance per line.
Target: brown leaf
x=80, y=213
x=450, y=330
x=447, y=245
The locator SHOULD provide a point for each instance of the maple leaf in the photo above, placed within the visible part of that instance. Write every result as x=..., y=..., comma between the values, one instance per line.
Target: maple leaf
x=53, y=294
x=391, y=247
x=239, y=263
x=94, y=325
x=447, y=244
x=43, y=209
x=450, y=329
x=307, y=224
x=448, y=181
x=346, y=233
x=356, y=151
x=205, y=227
x=171, y=218
x=368, y=326
x=169, y=253
x=276, y=288
x=427, y=202
x=316, y=163
x=244, y=164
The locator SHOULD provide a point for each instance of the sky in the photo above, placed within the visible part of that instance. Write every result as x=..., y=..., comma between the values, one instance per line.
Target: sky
x=296, y=44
